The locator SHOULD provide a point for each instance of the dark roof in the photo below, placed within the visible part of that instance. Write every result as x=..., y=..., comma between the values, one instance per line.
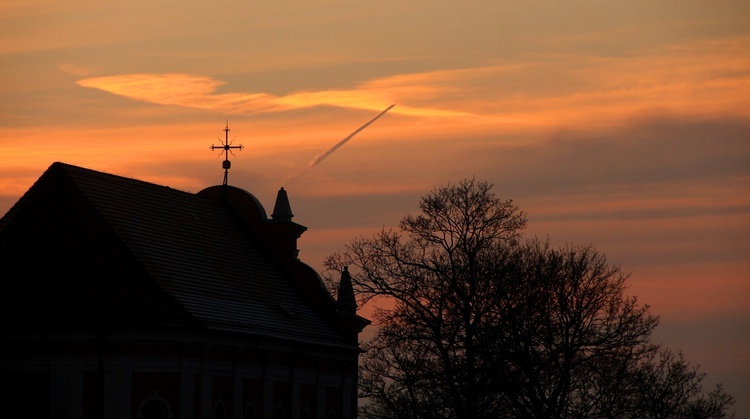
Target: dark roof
x=96, y=250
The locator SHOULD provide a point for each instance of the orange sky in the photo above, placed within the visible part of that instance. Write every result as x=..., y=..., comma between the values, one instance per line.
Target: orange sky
x=625, y=124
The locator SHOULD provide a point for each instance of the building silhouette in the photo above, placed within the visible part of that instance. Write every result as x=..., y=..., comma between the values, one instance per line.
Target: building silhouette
x=125, y=299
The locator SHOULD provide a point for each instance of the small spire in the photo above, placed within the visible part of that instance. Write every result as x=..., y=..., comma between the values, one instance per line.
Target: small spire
x=282, y=211
x=346, y=304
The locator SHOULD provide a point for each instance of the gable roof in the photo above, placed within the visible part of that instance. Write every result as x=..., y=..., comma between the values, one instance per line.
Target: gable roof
x=136, y=254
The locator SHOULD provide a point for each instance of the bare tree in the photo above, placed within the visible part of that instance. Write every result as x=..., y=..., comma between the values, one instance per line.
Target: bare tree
x=568, y=315
x=436, y=280
x=475, y=323
x=666, y=386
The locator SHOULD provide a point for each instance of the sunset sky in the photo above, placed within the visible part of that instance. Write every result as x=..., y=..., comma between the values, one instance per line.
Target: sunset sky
x=624, y=124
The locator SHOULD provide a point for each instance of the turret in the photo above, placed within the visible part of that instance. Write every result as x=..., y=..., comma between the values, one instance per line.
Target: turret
x=283, y=231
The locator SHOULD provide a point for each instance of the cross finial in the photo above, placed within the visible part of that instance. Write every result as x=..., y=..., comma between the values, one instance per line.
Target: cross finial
x=227, y=147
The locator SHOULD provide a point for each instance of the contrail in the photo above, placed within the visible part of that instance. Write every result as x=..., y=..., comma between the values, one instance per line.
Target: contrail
x=336, y=146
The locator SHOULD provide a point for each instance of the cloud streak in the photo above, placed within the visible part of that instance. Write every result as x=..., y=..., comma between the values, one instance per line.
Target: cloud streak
x=199, y=92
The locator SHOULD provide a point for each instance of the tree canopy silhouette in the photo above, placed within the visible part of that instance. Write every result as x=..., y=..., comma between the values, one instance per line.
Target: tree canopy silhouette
x=476, y=322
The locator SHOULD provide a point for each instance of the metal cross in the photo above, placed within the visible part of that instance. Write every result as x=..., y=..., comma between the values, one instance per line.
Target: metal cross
x=227, y=147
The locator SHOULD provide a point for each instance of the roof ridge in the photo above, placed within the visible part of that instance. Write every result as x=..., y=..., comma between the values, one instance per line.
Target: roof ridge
x=67, y=167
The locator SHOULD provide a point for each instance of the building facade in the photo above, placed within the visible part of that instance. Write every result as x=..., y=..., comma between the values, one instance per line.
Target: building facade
x=125, y=299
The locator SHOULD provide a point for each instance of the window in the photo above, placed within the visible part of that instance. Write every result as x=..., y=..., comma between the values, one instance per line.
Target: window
x=154, y=407
x=219, y=410
x=250, y=411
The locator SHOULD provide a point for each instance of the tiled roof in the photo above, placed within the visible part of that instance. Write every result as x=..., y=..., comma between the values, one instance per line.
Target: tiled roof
x=211, y=270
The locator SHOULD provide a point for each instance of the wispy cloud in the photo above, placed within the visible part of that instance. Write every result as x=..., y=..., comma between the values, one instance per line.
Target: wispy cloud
x=199, y=92
x=546, y=90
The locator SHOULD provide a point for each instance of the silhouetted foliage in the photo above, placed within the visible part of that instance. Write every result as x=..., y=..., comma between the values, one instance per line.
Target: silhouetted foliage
x=666, y=386
x=477, y=323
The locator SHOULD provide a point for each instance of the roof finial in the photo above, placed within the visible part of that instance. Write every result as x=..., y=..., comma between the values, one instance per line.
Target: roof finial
x=227, y=147
x=282, y=211
x=346, y=304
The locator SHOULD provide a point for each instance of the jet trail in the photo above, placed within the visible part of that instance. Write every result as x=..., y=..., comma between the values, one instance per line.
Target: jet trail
x=336, y=146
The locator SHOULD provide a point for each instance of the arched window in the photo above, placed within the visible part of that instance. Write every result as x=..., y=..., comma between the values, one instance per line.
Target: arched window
x=306, y=414
x=250, y=411
x=279, y=413
x=331, y=415
x=155, y=407
x=220, y=411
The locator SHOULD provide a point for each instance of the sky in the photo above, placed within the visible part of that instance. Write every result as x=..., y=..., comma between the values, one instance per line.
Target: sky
x=621, y=124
